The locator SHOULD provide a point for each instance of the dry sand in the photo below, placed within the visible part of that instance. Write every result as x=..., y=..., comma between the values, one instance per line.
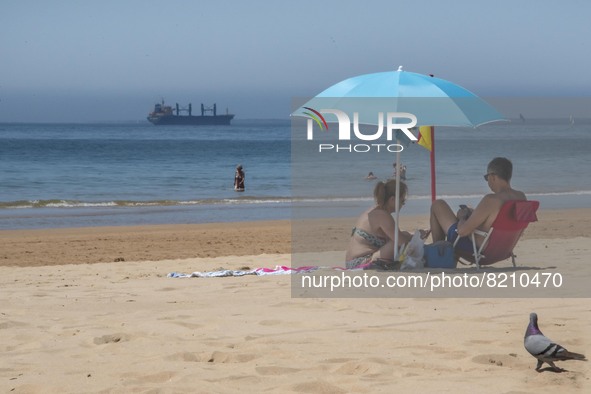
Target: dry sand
x=75, y=321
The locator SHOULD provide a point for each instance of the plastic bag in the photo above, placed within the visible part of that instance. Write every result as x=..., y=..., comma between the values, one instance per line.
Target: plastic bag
x=413, y=253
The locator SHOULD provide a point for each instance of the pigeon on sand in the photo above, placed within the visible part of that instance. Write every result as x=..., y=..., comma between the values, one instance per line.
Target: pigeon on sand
x=544, y=349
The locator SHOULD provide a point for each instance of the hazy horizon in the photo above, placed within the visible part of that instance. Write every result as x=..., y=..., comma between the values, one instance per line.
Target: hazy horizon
x=69, y=61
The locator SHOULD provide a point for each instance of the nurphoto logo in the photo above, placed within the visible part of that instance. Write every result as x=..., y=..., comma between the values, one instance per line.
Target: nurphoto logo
x=391, y=121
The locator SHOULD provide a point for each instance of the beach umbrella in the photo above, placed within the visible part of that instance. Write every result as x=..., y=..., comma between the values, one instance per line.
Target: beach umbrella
x=433, y=101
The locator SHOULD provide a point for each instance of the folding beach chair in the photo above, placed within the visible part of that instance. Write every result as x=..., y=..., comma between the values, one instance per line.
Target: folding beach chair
x=502, y=237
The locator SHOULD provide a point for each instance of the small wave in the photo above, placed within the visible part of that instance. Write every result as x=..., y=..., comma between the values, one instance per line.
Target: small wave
x=571, y=193
x=23, y=204
x=445, y=196
x=246, y=200
x=28, y=204
x=529, y=194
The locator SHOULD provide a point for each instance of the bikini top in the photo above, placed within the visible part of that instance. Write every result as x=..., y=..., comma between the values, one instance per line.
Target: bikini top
x=373, y=240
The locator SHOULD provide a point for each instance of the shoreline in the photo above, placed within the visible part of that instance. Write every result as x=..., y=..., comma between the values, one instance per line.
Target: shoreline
x=245, y=209
x=89, y=245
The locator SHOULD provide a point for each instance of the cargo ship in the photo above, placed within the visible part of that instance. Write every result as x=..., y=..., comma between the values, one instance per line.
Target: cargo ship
x=166, y=115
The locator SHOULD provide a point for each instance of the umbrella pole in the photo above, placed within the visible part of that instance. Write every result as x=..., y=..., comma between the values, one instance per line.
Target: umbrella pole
x=433, y=183
x=397, y=202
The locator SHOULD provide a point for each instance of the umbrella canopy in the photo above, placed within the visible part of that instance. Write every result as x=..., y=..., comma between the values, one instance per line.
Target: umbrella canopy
x=434, y=102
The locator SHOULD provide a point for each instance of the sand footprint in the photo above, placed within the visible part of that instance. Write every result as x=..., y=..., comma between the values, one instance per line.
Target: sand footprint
x=111, y=338
x=137, y=379
x=319, y=386
x=270, y=322
x=275, y=371
x=190, y=326
x=500, y=360
x=366, y=367
x=187, y=357
x=215, y=357
x=225, y=357
x=11, y=324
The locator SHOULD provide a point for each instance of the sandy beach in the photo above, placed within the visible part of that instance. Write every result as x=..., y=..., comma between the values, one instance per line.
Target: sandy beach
x=91, y=310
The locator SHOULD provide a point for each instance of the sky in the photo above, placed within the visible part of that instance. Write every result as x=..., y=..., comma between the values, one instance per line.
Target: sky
x=86, y=61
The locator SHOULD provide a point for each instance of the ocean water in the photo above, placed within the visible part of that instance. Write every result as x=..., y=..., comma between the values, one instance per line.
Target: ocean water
x=72, y=175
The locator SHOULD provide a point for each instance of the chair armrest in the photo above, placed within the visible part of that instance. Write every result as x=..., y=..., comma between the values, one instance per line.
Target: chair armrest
x=480, y=232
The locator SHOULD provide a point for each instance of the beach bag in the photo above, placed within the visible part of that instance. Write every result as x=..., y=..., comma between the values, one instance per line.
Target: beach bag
x=412, y=255
x=440, y=254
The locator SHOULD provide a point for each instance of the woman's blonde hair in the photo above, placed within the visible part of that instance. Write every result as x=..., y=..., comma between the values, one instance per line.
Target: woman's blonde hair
x=384, y=190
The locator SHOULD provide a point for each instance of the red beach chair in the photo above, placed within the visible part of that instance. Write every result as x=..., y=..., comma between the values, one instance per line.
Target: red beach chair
x=502, y=237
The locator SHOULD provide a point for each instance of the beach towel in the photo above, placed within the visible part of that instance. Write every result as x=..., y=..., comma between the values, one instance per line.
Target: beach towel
x=278, y=270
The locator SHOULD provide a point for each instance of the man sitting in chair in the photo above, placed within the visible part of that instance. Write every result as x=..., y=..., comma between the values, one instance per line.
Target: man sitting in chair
x=447, y=225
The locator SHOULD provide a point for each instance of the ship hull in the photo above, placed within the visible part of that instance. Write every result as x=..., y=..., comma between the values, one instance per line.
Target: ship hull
x=190, y=120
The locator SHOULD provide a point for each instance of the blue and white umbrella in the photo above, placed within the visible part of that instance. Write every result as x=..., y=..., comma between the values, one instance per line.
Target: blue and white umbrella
x=434, y=102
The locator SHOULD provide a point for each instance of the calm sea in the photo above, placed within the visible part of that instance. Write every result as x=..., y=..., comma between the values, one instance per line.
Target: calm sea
x=71, y=175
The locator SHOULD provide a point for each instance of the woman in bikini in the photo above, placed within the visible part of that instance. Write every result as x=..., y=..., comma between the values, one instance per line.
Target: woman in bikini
x=372, y=238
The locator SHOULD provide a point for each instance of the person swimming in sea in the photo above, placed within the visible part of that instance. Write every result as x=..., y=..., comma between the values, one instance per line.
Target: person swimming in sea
x=239, y=178
x=402, y=171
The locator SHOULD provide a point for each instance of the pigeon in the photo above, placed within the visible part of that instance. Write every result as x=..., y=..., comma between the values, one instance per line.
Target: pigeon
x=543, y=348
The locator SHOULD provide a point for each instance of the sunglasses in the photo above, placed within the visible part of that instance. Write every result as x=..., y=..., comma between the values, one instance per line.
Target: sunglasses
x=487, y=175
